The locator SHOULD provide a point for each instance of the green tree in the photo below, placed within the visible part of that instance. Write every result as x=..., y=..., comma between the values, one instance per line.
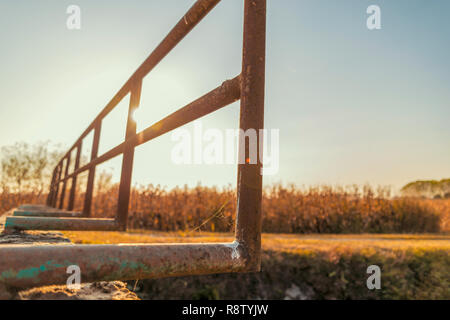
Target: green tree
x=427, y=188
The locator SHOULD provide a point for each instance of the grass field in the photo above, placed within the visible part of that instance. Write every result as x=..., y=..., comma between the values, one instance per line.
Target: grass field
x=317, y=244
x=307, y=266
x=278, y=242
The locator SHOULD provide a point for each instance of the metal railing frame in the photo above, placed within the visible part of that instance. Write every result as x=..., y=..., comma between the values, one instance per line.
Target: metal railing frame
x=44, y=265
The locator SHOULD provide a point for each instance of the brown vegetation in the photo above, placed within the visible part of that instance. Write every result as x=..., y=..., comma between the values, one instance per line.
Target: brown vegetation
x=286, y=210
x=26, y=172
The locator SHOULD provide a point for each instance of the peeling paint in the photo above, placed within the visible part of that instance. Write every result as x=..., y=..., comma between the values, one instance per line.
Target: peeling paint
x=30, y=273
x=234, y=245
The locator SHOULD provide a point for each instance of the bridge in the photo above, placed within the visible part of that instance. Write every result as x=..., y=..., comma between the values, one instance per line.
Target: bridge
x=25, y=266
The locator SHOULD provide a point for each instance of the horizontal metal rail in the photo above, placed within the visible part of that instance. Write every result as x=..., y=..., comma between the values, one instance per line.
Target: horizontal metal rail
x=185, y=25
x=30, y=266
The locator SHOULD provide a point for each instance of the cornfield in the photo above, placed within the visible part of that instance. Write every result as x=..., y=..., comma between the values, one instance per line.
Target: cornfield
x=285, y=209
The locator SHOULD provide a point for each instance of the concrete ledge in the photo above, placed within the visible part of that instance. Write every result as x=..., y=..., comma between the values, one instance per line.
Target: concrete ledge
x=44, y=223
x=41, y=213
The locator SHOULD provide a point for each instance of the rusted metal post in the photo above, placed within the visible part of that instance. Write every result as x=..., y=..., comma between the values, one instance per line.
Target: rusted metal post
x=52, y=198
x=58, y=179
x=66, y=173
x=128, y=157
x=51, y=188
x=74, y=178
x=91, y=177
x=249, y=184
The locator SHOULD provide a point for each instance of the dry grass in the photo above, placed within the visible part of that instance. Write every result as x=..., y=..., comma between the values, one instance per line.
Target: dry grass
x=275, y=242
x=9, y=200
x=285, y=210
x=443, y=207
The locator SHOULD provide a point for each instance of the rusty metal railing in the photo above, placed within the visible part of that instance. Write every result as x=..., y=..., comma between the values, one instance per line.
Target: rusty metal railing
x=26, y=266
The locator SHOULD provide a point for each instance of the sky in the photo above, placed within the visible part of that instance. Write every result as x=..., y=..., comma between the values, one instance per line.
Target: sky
x=352, y=105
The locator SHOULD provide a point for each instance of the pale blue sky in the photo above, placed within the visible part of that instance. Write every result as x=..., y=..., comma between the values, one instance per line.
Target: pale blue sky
x=352, y=105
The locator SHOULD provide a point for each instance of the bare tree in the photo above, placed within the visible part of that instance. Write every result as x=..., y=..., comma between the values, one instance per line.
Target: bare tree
x=27, y=168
